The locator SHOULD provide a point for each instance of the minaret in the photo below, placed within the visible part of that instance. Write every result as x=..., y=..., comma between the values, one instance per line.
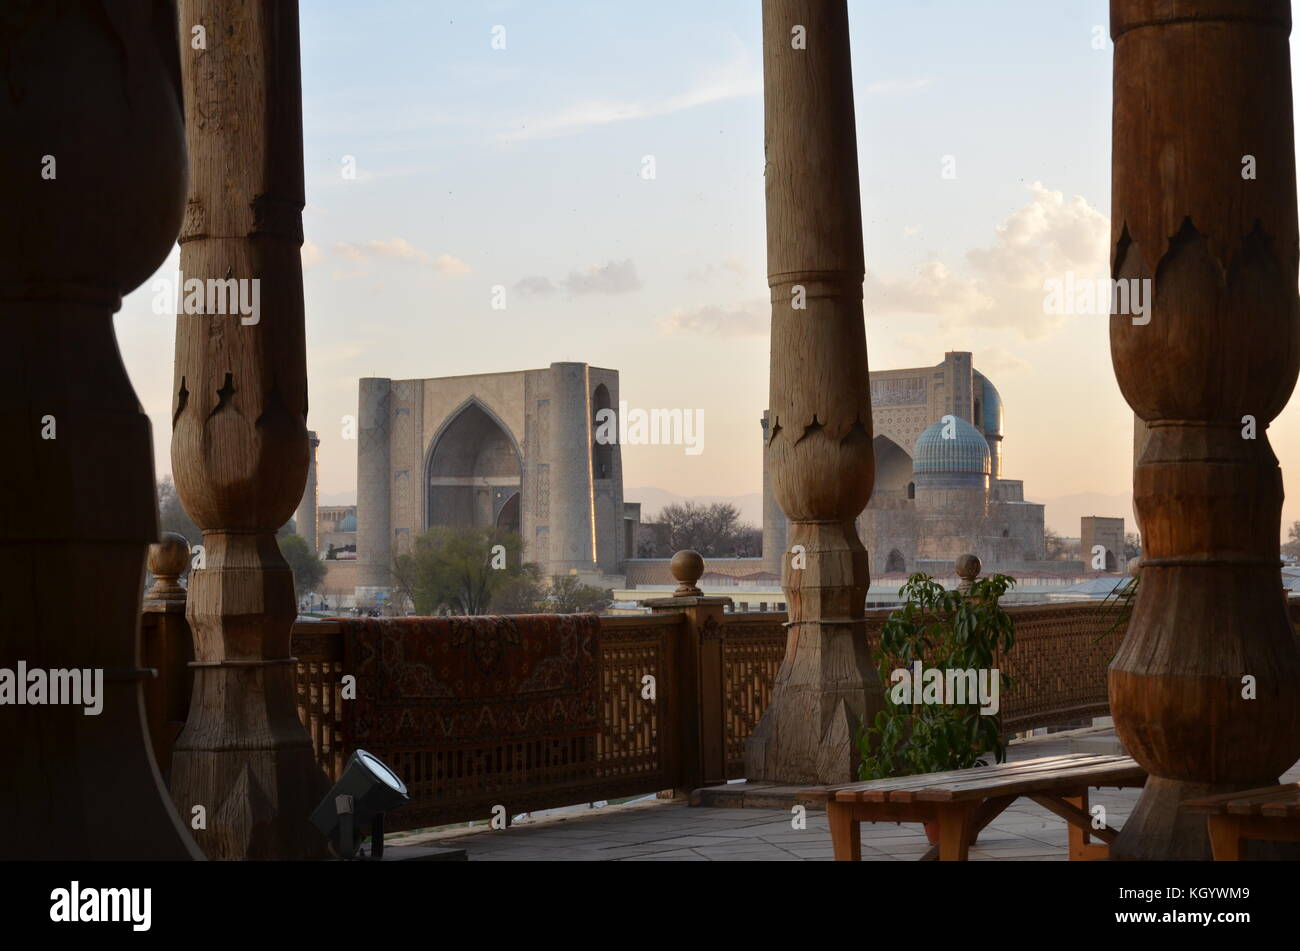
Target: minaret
x=572, y=502
x=374, y=485
x=305, y=517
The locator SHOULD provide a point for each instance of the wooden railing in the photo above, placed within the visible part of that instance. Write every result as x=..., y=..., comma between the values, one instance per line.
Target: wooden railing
x=677, y=700
x=634, y=750
x=1058, y=668
x=753, y=646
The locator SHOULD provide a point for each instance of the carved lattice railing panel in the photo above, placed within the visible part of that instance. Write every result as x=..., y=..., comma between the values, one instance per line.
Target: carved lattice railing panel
x=1058, y=664
x=635, y=740
x=631, y=753
x=752, y=651
x=318, y=649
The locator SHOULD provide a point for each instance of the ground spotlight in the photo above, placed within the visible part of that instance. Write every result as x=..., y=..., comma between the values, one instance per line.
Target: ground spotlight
x=357, y=803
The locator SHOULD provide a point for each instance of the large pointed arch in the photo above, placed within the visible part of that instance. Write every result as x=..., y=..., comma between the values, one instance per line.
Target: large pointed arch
x=893, y=466
x=472, y=470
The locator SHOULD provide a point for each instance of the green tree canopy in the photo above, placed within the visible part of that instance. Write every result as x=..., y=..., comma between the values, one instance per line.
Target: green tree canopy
x=308, y=569
x=466, y=571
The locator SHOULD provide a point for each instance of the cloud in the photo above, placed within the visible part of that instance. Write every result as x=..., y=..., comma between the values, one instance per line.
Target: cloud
x=616, y=277
x=535, y=286
x=932, y=290
x=1002, y=283
x=749, y=319
x=311, y=255
x=449, y=264
x=735, y=80
x=399, y=249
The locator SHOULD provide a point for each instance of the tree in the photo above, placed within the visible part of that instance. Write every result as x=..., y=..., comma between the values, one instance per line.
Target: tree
x=568, y=595
x=172, y=516
x=1133, y=545
x=520, y=593
x=463, y=571
x=1056, y=546
x=712, y=530
x=1292, y=546
x=308, y=569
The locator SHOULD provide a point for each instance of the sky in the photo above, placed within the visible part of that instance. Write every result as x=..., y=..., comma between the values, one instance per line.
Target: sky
x=479, y=167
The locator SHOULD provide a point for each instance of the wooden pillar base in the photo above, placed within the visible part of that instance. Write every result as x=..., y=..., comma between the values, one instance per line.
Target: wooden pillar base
x=244, y=755
x=78, y=787
x=250, y=766
x=1159, y=830
x=826, y=688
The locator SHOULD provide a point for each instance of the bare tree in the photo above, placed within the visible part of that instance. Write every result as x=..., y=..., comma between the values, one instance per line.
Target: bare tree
x=712, y=530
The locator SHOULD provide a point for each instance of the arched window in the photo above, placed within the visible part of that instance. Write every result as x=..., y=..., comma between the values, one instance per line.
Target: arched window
x=911, y=490
x=602, y=449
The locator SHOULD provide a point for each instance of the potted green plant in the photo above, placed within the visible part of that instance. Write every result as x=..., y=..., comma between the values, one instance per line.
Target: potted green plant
x=939, y=631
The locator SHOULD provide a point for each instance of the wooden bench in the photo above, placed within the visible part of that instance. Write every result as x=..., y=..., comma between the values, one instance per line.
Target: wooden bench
x=1271, y=813
x=963, y=802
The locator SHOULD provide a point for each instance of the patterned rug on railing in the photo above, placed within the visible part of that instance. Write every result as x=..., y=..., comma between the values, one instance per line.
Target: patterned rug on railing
x=461, y=683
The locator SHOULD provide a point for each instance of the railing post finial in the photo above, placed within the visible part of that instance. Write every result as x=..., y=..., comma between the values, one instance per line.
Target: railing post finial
x=687, y=567
x=168, y=559
x=968, y=569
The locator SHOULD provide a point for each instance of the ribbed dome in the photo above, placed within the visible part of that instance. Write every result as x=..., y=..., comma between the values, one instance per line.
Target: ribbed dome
x=964, y=451
x=991, y=408
x=348, y=524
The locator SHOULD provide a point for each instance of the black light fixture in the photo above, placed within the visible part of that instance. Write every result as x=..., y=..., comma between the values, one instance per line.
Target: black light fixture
x=366, y=790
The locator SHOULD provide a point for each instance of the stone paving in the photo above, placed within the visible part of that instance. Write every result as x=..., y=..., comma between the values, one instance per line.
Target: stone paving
x=672, y=831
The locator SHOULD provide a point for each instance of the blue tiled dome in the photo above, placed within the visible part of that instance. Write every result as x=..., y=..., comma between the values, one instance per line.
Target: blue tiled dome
x=965, y=451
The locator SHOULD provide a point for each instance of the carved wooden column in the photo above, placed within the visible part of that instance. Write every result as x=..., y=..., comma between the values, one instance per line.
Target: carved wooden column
x=92, y=187
x=1205, y=207
x=239, y=440
x=819, y=437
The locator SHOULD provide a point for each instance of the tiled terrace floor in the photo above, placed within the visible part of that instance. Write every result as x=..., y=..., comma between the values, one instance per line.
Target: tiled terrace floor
x=667, y=831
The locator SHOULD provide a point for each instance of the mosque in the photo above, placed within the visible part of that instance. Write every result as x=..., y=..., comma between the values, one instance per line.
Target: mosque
x=520, y=451
x=939, y=490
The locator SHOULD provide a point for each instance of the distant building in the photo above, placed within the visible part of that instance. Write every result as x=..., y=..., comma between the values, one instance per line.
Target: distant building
x=939, y=487
x=1101, y=543
x=305, y=518
x=338, y=532
x=510, y=450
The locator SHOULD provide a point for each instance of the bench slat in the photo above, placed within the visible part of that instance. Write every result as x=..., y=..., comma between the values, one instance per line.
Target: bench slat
x=1280, y=802
x=985, y=776
x=904, y=781
x=1104, y=774
x=960, y=784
